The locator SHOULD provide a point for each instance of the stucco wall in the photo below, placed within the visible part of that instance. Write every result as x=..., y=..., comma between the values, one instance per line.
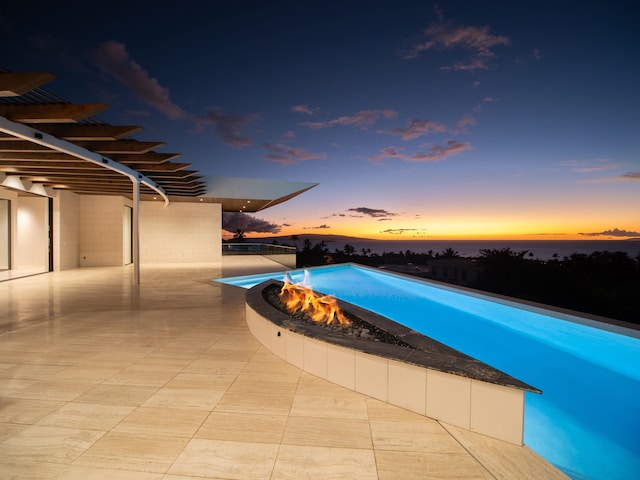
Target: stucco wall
x=180, y=232
x=66, y=230
x=101, y=230
x=32, y=248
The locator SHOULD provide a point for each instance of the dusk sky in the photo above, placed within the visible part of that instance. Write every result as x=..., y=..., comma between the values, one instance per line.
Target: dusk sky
x=418, y=119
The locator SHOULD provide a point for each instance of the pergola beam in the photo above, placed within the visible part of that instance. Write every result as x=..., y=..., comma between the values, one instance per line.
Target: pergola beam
x=50, y=112
x=16, y=84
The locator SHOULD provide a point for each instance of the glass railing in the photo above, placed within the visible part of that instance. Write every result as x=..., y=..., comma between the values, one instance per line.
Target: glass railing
x=278, y=253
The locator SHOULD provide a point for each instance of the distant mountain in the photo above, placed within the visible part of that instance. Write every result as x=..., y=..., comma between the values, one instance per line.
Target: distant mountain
x=332, y=241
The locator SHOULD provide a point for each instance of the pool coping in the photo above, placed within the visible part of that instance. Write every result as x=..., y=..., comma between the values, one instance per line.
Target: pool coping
x=430, y=378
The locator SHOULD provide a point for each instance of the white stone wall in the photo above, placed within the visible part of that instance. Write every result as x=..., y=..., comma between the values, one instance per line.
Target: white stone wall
x=180, y=232
x=66, y=230
x=101, y=230
x=32, y=249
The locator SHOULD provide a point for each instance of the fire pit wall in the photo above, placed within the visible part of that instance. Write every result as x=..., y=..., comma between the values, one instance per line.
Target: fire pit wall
x=464, y=398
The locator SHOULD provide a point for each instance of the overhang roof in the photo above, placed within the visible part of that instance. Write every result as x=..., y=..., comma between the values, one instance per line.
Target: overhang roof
x=31, y=160
x=232, y=192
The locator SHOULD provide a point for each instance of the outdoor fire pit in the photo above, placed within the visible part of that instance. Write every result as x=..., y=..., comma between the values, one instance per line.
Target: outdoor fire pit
x=374, y=355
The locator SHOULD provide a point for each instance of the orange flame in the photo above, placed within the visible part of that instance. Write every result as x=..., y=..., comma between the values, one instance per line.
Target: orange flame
x=298, y=296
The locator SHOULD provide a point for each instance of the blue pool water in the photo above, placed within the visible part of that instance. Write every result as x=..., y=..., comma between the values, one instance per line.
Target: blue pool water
x=586, y=422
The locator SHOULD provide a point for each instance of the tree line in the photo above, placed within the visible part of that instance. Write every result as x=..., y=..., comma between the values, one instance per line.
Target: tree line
x=601, y=283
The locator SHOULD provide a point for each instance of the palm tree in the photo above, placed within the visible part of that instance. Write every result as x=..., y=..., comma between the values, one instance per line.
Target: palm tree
x=239, y=236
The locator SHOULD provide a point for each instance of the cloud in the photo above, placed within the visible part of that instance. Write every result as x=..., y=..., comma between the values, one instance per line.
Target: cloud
x=305, y=109
x=434, y=154
x=615, y=232
x=402, y=231
x=233, y=221
x=373, y=212
x=228, y=126
x=362, y=119
x=113, y=59
x=631, y=176
x=463, y=123
x=286, y=155
x=318, y=227
x=589, y=166
x=289, y=134
x=536, y=54
x=417, y=128
x=442, y=35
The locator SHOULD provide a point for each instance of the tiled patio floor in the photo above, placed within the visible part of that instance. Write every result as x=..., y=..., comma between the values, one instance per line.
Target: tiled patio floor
x=102, y=379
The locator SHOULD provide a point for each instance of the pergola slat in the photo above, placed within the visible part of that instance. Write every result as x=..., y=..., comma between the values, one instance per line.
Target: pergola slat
x=16, y=84
x=118, y=146
x=88, y=131
x=151, y=157
x=50, y=112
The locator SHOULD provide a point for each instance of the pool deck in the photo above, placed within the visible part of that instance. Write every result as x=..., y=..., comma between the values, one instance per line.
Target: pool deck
x=100, y=378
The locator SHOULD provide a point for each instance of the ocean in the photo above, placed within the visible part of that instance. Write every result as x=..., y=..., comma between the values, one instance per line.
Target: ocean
x=536, y=249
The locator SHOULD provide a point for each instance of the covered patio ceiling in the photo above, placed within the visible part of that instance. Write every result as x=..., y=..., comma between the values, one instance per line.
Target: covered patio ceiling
x=29, y=160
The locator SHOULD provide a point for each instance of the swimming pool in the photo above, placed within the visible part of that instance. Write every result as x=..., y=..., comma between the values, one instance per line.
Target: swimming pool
x=586, y=422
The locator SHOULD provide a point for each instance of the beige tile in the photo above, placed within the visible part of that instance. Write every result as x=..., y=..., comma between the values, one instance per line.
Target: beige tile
x=265, y=403
x=383, y=411
x=296, y=463
x=185, y=398
x=229, y=460
x=504, y=460
x=497, y=411
x=125, y=395
x=372, y=376
x=413, y=437
x=311, y=385
x=24, y=411
x=143, y=375
x=86, y=416
x=212, y=366
x=341, y=366
x=201, y=380
x=329, y=406
x=162, y=421
x=449, y=398
x=12, y=385
x=32, y=372
x=8, y=430
x=49, y=444
x=86, y=374
x=327, y=432
x=315, y=357
x=243, y=427
x=60, y=390
x=137, y=452
x=422, y=465
x=252, y=383
x=294, y=349
x=21, y=469
x=407, y=386
x=77, y=472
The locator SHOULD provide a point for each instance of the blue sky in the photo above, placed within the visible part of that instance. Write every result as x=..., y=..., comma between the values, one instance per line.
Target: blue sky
x=451, y=119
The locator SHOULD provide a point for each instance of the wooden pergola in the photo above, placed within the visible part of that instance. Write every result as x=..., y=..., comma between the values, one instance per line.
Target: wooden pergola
x=44, y=139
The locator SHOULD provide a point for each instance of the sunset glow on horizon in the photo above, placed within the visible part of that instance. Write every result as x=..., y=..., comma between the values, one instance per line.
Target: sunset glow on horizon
x=419, y=120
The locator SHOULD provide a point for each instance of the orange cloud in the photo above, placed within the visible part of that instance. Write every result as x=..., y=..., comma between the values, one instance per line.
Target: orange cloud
x=434, y=154
x=113, y=59
x=444, y=35
x=229, y=126
x=417, y=128
x=362, y=119
x=286, y=155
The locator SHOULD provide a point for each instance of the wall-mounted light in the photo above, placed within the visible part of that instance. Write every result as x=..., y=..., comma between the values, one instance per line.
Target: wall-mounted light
x=37, y=135
x=105, y=160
